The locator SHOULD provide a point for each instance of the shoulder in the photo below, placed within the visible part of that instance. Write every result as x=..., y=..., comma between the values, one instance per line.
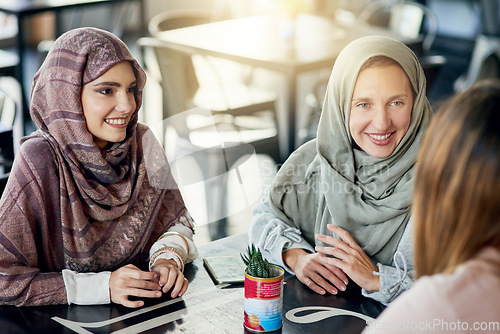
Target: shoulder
x=299, y=166
x=146, y=139
x=473, y=280
x=35, y=169
x=37, y=150
x=142, y=128
x=291, y=194
x=466, y=294
x=418, y=305
x=36, y=159
x=305, y=154
x=474, y=284
x=298, y=174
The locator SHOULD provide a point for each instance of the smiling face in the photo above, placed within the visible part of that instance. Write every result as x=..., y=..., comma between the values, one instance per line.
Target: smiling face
x=381, y=107
x=109, y=102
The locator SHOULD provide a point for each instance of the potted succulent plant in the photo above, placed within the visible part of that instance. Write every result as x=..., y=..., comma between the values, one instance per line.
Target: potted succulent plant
x=263, y=292
x=256, y=265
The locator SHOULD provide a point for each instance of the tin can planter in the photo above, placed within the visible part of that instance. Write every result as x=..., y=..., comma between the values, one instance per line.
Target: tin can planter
x=264, y=301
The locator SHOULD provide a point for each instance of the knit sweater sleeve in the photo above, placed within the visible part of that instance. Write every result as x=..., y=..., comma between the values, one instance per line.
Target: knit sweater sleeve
x=399, y=276
x=272, y=235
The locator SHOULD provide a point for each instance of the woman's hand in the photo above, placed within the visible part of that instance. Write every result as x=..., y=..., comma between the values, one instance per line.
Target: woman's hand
x=349, y=257
x=131, y=281
x=310, y=270
x=170, y=276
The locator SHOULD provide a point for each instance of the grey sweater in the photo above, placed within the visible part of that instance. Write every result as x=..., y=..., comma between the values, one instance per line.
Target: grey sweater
x=273, y=236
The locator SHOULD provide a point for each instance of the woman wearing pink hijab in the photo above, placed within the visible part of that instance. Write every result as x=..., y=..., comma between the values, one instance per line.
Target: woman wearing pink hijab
x=91, y=197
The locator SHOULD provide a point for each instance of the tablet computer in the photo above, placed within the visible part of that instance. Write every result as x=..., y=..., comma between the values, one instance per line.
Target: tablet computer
x=225, y=269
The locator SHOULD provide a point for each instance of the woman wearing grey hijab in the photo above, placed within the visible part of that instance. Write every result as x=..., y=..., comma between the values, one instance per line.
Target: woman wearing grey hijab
x=347, y=193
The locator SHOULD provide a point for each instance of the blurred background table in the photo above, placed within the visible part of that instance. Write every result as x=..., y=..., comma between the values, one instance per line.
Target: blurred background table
x=290, y=46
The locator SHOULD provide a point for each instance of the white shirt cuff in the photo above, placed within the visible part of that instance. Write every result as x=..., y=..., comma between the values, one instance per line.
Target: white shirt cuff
x=87, y=288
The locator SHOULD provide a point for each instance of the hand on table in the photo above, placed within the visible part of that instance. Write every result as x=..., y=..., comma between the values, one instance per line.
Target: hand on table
x=131, y=281
x=348, y=256
x=310, y=270
x=170, y=276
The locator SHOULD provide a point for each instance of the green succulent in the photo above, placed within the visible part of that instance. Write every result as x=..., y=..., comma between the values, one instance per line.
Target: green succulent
x=256, y=265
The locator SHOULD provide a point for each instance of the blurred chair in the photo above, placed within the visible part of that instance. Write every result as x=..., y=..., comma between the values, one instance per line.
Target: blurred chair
x=432, y=65
x=3, y=182
x=10, y=104
x=174, y=19
x=484, y=64
x=116, y=22
x=8, y=63
x=216, y=122
x=410, y=20
x=201, y=70
x=8, y=110
x=485, y=60
x=314, y=102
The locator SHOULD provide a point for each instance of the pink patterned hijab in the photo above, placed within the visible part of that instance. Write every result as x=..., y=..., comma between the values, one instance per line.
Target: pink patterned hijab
x=108, y=178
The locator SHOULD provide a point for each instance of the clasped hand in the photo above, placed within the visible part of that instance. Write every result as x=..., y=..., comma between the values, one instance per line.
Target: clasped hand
x=322, y=273
x=347, y=255
x=131, y=281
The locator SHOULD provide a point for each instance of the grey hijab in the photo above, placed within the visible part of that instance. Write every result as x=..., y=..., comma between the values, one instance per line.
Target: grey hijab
x=369, y=197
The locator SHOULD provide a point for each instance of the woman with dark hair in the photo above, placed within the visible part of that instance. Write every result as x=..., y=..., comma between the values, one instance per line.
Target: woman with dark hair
x=456, y=214
x=91, y=198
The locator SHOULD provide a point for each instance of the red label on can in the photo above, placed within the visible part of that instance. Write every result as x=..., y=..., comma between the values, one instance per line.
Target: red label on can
x=264, y=302
x=262, y=290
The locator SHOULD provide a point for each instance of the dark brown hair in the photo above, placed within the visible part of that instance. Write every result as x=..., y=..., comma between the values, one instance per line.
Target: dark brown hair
x=456, y=206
